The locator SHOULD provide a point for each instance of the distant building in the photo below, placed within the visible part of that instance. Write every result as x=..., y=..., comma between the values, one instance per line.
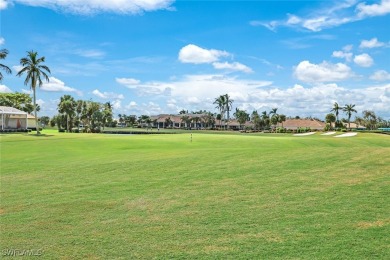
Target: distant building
x=293, y=124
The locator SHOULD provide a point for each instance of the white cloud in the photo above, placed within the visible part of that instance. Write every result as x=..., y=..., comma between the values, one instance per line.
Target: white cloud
x=88, y=7
x=116, y=104
x=132, y=104
x=235, y=66
x=373, y=43
x=90, y=53
x=343, y=55
x=5, y=89
x=27, y=91
x=293, y=19
x=317, y=20
x=56, y=85
x=128, y=82
x=323, y=72
x=3, y=4
x=107, y=95
x=317, y=24
x=149, y=108
x=17, y=68
x=380, y=9
x=380, y=75
x=197, y=55
x=340, y=13
x=2, y=40
x=40, y=102
x=363, y=60
x=348, y=48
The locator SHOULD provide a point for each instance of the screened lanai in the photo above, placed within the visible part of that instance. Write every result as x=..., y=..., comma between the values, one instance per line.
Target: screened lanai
x=12, y=118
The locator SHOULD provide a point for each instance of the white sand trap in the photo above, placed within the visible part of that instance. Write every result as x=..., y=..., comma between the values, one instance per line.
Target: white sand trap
x=304, y=134
x=329, y=133
x=346, y=135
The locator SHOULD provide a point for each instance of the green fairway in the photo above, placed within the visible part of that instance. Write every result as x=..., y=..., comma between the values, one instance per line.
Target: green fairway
x=96, y=196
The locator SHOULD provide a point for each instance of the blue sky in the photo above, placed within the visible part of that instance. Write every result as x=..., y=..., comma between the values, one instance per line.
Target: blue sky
x=162, y=56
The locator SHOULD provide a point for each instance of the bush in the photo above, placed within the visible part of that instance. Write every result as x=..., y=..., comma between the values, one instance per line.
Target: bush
x=280, y=130
x=343, y=130
x=61, y=130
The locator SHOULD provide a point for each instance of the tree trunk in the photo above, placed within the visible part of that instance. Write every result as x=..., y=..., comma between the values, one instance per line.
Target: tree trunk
x=35, y=108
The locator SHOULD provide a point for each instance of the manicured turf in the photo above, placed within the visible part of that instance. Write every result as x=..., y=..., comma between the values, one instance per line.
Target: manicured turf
x=95, y=196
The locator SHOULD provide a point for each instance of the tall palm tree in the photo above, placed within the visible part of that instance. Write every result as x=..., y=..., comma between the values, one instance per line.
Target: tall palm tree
x=228, y=106
x=3, y=55
x=220, y=102
x=33, y=67
x=349, y=109
x=336, y=108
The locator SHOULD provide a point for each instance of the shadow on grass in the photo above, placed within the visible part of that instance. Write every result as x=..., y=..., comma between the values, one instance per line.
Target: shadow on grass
x=40, y=135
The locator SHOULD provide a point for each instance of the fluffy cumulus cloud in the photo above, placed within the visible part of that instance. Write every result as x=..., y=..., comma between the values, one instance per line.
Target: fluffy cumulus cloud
x=234, y=66
x=197, y=55
x=379, y=9
x=380, y=75
x=88, y=7
x=363, y=60
x=56, y=85
x=107, y=95
x=373, y=43
x=323, y=72
x=5, y=89
x=2, y=40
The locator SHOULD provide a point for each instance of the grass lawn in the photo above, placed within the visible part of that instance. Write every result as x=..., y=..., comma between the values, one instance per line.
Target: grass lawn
x=95, y=196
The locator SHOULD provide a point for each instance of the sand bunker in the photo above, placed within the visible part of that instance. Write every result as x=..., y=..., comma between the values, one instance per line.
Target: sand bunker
x=329, y=133
x=346, y=135
x=304, y=134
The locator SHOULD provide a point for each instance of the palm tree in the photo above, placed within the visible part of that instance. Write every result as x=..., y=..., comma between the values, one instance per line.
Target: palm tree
x=275, y=116
x=228, y=106
x=329, y=119
x=282, y=118
x=349, y=109
x=33, y=67
x=220, y=102
x=68, y=106
x=265, y=119
x=336, y=109
x=273, y=111
x=3, y=55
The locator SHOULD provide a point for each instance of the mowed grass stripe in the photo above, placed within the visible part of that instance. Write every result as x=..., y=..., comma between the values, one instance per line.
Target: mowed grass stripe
x=219, y=196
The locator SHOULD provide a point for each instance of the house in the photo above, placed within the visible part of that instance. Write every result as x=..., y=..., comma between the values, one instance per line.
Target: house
x=354, y=126
x=294, y=124
x=12, y=118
